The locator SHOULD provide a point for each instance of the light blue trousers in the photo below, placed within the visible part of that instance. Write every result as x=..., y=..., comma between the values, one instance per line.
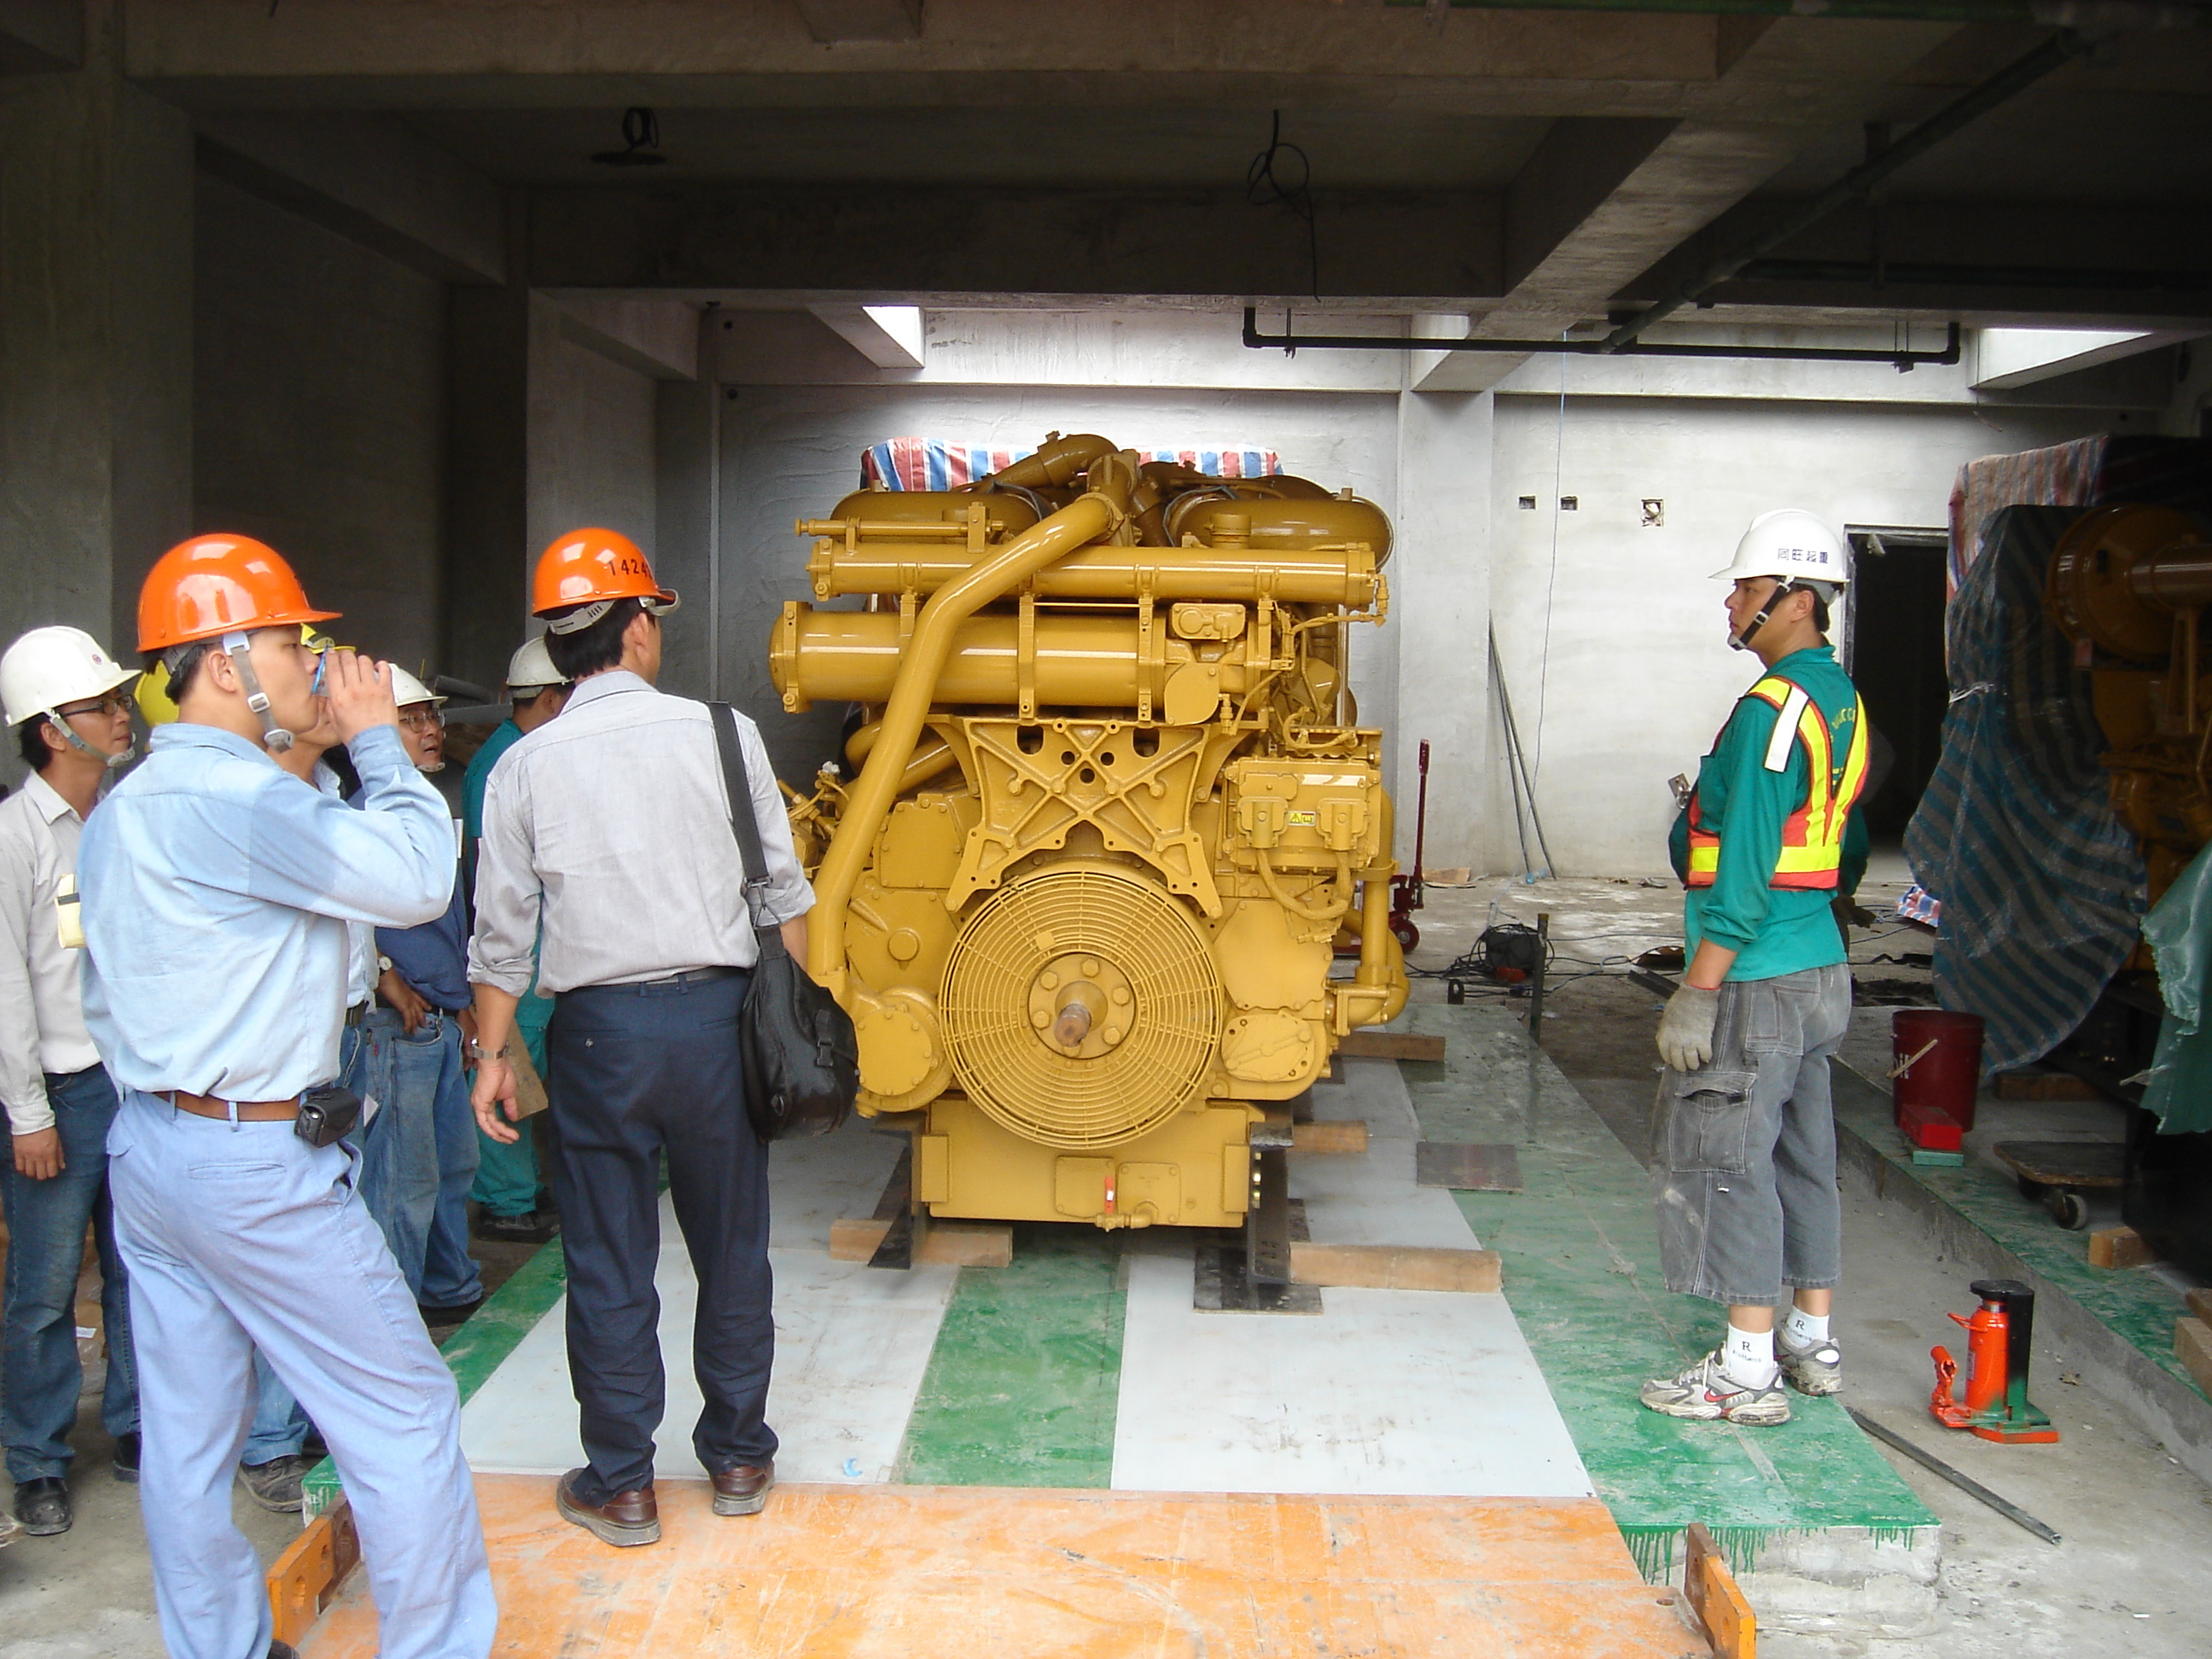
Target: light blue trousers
x=239, y=1236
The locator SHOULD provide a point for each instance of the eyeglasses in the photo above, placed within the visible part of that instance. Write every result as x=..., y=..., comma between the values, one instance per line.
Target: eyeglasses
x=113, y=703
x=422, y=719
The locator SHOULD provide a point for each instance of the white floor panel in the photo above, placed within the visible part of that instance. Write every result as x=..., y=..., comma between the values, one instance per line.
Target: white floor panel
x=1372, y=1200
x=1397, y=1392
x=1373, y=1091
x=852, y=1344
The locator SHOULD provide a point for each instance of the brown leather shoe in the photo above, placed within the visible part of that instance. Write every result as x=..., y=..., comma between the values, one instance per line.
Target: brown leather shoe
x=628, y=1518
x=744, y=1490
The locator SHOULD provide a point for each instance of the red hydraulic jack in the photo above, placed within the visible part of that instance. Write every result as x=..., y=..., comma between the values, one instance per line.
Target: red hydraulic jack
x=1406, y=891
x=1999, y=1338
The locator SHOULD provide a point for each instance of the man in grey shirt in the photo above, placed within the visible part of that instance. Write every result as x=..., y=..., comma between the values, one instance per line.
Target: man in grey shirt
x=611, y=826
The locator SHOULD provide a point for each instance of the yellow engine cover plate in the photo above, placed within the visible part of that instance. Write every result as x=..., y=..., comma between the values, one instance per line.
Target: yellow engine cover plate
x=1143, y=941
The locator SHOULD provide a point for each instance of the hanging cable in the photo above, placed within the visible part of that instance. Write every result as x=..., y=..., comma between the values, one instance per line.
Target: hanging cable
x=1265, y=187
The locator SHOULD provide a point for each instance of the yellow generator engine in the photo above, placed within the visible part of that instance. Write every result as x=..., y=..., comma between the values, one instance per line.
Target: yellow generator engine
x=1113, y=813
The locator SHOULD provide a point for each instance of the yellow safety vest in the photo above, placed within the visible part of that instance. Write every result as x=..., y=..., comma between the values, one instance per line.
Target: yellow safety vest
x=1813, y=835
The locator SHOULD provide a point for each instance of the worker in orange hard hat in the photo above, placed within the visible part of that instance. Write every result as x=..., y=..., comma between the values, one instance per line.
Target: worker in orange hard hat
x=215, y=888
x=608, y=865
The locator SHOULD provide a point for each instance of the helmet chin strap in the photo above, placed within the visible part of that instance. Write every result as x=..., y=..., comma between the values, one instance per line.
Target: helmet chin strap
x=121, y=757
x=274, y=737
x=1743, y=641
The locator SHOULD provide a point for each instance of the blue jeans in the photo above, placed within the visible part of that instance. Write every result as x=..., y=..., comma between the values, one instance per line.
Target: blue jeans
x=398, y=1151
x=242, y=1236
x=40, y=1376
x=280, y=1427
x=431, y=1086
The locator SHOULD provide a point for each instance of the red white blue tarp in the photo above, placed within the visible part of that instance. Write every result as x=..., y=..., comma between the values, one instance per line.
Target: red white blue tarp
x=939, y=464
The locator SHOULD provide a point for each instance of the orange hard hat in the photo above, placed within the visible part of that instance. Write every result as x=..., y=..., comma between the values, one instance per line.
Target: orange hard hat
x=215, y=585
x=593, y=568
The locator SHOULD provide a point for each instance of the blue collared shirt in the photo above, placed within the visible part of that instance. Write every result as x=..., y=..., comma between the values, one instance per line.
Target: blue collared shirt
x=215, y=890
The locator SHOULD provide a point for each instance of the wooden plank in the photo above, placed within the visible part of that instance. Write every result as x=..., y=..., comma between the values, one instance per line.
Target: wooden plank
x=1343, y=1136
x=303, y=1579
x=2200, y=1304
x=946, y=1243
x=2192, y=1343
x=2120, y=1247
x=2033, y=1082
x=1395, y=1267
x=1391, y=1045
x=1715, y=1599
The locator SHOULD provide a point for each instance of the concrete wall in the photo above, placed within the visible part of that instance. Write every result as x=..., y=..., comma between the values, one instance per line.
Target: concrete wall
x=318, y=390
x=791, y=451
x=1612, y=639
x=592, y=439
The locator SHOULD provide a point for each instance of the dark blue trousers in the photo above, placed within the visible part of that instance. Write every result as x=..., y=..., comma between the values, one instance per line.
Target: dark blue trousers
x=638, y=1071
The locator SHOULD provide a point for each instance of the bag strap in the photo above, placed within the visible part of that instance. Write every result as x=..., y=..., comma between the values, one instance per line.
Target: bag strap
x=743, y=824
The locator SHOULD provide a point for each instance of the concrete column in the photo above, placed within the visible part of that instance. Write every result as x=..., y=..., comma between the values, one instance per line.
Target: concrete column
x=1439, y=607
x=95, y=344
x=487, y=553
x=687, y=474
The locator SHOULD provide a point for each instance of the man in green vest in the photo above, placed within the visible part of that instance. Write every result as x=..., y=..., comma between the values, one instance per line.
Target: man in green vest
x=1744, y=1144
x=505, y=1189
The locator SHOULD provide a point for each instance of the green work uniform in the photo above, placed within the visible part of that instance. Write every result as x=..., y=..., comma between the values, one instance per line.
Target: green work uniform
x=1773, y=930
x=506, y=1176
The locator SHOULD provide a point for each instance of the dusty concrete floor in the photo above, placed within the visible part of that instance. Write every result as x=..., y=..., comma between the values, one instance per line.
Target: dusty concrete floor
x=2130, y=1577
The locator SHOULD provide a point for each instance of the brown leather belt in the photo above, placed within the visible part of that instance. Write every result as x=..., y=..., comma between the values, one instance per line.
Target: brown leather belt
x=249, y=1111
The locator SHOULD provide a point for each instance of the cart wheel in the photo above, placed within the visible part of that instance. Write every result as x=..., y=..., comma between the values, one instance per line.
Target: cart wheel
x=1409, y=937
x=2068, y=1208
x=2032, y=1190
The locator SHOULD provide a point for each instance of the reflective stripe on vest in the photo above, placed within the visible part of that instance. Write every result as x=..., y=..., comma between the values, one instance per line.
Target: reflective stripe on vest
x=1813, y=835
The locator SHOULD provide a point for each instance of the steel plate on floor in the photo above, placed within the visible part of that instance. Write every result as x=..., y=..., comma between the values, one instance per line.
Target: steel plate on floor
x=1469, y=1168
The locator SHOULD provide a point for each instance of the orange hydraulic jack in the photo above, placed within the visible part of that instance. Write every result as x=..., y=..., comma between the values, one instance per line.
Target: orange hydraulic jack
x=1999, y=1339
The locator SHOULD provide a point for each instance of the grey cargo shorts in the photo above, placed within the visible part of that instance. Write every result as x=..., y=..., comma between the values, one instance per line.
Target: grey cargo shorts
x=1743, y=1166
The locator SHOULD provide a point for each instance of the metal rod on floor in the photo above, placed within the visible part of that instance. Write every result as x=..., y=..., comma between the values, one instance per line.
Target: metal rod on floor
x=1964, y=1483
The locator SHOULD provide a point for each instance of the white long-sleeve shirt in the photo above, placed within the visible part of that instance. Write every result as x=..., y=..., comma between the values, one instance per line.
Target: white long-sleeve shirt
x=612, y=824
x=42, y=1026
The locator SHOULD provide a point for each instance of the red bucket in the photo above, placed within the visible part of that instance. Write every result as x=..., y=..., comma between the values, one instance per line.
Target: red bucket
x=1937, y=1059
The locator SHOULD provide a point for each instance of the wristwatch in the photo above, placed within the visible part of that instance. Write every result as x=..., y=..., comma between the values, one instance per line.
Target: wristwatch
x=478, y=1052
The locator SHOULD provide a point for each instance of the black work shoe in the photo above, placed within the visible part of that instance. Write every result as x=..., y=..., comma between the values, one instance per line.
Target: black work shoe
x=43, y=1506
x=530, y=1227
x=448, y=1315
x=126, y=1458
x=276, y=1485
x=282, y=1650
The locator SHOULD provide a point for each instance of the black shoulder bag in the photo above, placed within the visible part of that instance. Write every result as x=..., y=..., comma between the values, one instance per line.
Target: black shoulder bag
x=800, y=1059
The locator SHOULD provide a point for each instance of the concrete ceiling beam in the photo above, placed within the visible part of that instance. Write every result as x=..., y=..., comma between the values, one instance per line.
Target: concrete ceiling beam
x=862, y=331
x=1631, y=192
x=41, y=35
x=842, y=22
x=658, y=338
x=891, y=241
x=370, y=179
x=642, y=51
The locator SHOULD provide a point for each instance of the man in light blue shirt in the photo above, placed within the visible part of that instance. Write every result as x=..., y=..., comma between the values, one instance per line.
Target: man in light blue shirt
x=216, y=890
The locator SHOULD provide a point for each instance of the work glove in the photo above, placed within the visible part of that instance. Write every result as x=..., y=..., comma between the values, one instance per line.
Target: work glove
x=1686, y=1030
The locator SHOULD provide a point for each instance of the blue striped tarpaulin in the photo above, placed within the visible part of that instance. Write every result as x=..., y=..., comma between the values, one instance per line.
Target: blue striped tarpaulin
x=941, y=464
x=2042, y=888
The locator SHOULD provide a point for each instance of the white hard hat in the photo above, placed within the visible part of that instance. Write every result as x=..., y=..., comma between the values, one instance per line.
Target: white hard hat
x=1791, y=543
x=531, y=666
x=407, y=690
x=50, y=666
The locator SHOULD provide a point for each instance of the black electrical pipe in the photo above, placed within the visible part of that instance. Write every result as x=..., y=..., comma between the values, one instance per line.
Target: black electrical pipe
x=1902, y=358
x=2061, y=49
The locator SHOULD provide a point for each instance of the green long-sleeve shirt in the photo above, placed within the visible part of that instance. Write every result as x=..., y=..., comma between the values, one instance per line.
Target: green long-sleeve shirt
x=1773, y=930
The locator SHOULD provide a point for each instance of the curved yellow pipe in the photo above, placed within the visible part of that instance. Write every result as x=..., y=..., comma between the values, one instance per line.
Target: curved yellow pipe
x=1085, y=520
x=929, y=759
x=1056, y=463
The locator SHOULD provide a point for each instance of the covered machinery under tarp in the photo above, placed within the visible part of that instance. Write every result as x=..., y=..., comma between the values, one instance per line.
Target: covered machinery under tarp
x=1113, y=809
x=2041, y=885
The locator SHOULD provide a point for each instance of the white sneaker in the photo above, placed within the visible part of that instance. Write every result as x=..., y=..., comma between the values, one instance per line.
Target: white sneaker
x=1707, y=1393
x=1815, y=1371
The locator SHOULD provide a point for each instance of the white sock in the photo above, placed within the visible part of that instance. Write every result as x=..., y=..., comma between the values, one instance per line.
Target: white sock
x=1747, y=1357
x=1802, y=1330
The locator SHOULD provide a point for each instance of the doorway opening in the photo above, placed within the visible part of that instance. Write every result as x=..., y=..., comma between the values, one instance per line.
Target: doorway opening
x=1894, y=650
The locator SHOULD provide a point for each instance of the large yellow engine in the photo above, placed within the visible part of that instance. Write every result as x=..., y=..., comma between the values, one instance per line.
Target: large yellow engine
x=1113, y=812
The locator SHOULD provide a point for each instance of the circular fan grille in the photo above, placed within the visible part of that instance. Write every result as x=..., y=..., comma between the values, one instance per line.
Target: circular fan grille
x=1005, y=1063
